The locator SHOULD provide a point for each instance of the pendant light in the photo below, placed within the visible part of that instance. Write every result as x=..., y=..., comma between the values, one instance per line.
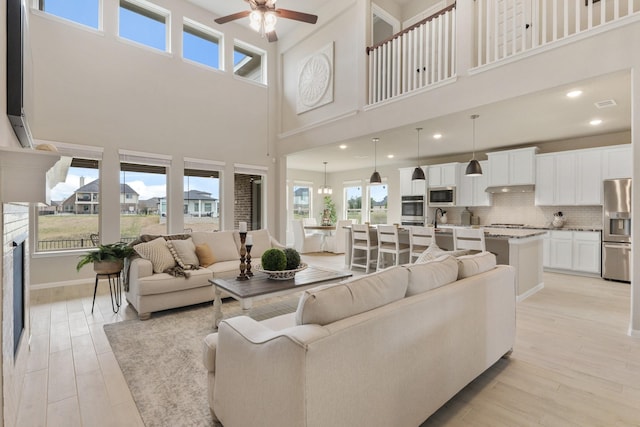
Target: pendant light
x=375, y=176
x=474, y=168
x=418, y=173
x=325, y=189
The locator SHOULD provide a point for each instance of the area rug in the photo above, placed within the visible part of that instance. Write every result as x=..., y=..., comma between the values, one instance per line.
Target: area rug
x=161, y=359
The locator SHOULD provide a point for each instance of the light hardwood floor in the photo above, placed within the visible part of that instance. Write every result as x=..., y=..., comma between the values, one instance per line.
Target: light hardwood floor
x=573, y=363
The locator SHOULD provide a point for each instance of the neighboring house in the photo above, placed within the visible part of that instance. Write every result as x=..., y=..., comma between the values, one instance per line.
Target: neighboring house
x=149, y=207
x=196, y=204
x=86, y=199
x=301, y=201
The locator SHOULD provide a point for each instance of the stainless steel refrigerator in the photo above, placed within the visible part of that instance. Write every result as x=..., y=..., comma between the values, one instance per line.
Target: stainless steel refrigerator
x=616, y=237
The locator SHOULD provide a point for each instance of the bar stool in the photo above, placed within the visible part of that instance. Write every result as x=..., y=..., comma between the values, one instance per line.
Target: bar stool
x=364, y=241
x=469, y=238
x=419, y=240
x=389, y=243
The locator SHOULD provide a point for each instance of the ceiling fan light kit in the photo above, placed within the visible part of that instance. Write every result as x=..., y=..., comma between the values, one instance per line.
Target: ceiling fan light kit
x=418, y=173
x=264, y=15
x=474, y=168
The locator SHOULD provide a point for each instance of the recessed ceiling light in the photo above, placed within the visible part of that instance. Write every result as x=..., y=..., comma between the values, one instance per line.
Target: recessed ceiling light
x=343, y=146
x=437, y=135
x=574, y=93
x=390, y=156
x=595, y=122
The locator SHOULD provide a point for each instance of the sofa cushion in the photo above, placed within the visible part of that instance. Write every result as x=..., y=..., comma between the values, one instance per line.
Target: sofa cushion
x=225, y=266
x=222, y=244
x=184, y=252
x=261, y=242
x=431, y=274
x=470, y=265
x=329, y=303
x=164, y=282
x=205, y=255
x=158, y=253
x=434, y=251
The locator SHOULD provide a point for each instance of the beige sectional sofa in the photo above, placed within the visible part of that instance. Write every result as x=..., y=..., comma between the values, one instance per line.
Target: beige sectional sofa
x=386, y=349
x=149, y=289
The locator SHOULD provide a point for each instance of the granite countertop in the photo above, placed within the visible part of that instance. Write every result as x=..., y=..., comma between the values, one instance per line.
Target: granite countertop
x=497, y=232
x=529, y=227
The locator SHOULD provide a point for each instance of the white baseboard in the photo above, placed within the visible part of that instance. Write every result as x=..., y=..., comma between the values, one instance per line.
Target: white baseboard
x=634, y=332
x=530, y=292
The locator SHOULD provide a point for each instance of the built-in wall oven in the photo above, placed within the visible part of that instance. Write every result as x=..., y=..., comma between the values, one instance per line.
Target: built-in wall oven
x=442, y=196
x=413, y=210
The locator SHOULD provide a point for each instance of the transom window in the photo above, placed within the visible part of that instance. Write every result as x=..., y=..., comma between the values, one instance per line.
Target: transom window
x=201, y=44
x=144, y=23
x=85, y=12
x=249, y=62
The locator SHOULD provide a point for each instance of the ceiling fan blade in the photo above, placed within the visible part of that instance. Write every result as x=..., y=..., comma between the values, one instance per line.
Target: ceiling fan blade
x=298, y=16
x=233, y=17
x=272, y=37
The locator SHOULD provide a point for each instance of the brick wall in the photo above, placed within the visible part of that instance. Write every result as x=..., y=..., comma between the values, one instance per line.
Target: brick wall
x=243, y=199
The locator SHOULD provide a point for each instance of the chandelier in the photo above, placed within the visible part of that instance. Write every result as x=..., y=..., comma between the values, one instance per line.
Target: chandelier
x=325, y=189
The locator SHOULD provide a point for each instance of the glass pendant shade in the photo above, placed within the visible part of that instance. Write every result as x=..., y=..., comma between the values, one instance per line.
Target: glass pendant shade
x=473, y=168
x=325, y=189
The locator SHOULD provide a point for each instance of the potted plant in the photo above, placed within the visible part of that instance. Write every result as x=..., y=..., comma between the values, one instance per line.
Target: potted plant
x=107, y=258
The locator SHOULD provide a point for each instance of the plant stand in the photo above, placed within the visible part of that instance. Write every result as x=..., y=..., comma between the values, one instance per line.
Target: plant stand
x=115, y=289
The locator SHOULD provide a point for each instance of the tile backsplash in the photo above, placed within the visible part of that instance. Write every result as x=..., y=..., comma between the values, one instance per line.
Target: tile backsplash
x=519, y=208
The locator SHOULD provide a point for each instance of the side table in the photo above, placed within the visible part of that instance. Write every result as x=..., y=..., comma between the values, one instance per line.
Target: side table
x=115, y=289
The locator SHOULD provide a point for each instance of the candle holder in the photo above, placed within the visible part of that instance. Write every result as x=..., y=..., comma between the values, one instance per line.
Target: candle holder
x=249, y=272
x=243, y=255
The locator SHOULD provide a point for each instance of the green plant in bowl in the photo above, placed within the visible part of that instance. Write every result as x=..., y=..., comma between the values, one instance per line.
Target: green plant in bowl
x=293, y=258
x=109, y=253
x=274, y=260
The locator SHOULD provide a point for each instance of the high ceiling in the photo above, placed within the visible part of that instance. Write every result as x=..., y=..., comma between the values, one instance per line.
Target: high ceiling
x=544, y=116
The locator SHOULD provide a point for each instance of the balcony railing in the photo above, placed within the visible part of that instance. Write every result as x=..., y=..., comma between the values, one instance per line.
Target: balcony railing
x=414, y=58
x=425, y=53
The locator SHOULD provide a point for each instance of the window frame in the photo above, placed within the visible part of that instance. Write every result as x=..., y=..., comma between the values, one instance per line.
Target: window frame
x=37, y=6
x=151, y=11
x=240, y=45
x=207, y=34
x=369, y=208
x=345, y=202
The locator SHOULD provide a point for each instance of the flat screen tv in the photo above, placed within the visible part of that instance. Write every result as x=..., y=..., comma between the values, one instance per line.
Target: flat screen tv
x=15, y=71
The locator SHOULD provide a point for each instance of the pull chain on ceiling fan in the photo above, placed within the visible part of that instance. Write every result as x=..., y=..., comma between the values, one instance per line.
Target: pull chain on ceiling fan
x=264, y=15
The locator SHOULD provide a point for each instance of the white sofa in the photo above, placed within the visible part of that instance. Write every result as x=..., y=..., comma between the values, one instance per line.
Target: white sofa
x=386, y=349
x=147, y=291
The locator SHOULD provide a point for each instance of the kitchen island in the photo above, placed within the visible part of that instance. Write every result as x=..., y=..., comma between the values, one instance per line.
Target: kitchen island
x=521, y=248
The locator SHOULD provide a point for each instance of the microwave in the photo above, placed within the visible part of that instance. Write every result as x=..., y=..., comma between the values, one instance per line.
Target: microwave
x=442, y=196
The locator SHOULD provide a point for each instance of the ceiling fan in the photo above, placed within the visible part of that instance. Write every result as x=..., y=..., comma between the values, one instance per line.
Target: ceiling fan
x=263, y=16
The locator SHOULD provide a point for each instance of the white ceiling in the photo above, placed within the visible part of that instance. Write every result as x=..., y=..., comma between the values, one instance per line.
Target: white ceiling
x=544, y=116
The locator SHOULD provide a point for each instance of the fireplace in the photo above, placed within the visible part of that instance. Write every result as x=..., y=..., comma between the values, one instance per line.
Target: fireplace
x=18, y=292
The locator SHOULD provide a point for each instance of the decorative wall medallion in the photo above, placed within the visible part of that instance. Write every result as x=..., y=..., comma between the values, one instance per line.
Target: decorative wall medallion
x=315, y=80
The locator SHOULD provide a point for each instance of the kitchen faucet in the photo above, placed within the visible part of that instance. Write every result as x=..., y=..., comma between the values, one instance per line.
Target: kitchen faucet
x=435, y=217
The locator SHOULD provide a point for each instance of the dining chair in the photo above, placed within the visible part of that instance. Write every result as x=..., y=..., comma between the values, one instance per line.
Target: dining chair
x=363, y=240
x=389, y=243
x=419, y=240
x=336, y=242
x=305, y=243
x=469, y=238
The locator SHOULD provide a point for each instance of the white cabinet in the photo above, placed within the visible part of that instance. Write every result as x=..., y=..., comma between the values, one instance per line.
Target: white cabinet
x=556, y=179
x=444, y=175
x=569, y=178
x=617, y=162
x=512, y=167
x=409, y=187
x=470, y=189
x=577, y=251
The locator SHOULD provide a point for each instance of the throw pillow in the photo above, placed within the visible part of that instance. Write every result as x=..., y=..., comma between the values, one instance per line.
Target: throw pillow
x=431, y=274
x=470, y=265
x=205, y=255
x=431, y=253
x=184, y=252
x=158, y=253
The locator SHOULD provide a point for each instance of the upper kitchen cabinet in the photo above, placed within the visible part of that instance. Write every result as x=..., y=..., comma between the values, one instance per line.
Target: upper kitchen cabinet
x=589, y=177
x=409, y=187
x=556, y=179
x=617, y=162
x=512, y=167
x=443, y=175
x=470, y=189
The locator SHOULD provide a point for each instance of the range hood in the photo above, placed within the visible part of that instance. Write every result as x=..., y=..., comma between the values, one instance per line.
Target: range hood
x=511, y=189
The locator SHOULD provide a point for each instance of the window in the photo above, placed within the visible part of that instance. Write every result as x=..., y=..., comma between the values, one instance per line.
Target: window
x=249, y=62
x=201, y=44
x=353, y=203
x=143, y=193
x=201, y=198
x=144, y=23
x=378, y=196
x=85, y=12
x=73, y=215
x=301, y=201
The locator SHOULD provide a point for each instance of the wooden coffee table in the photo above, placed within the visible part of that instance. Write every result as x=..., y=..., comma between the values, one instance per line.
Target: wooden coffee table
x=261, y=287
